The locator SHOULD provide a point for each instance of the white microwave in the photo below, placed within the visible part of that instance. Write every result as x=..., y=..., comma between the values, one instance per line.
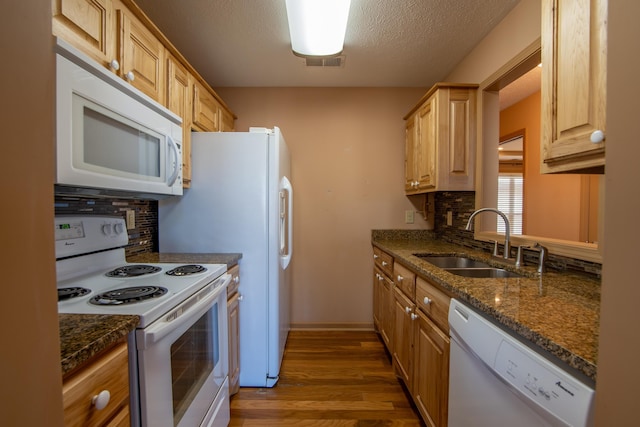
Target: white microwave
x=111, y=139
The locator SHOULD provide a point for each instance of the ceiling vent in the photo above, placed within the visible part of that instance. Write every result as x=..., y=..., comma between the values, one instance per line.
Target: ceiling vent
x=334, y=61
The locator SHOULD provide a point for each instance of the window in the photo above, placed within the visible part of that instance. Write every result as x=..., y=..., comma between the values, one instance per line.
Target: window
x=510, y=201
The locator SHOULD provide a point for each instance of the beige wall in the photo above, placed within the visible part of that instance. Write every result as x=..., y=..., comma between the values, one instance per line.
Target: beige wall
x=347, y=150
x=30, y=380
x=617, y=391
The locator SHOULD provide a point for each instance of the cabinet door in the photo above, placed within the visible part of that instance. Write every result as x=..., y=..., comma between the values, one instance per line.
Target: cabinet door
x=403, y=336
x=426, y=148
x=574, y=56
x=205, y=109
x=387, y=314
x=233, y=313
x=410, y=155
x=142, y=56
x=226, y=121
x=431, y=372
x=178, y=101
x=88, y=25
x=378, y=284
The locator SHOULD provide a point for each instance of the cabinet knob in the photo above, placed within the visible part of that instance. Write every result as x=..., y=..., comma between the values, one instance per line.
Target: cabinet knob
x=400, y=278
x=380, y=278
x=414, y=316
x=130, y=76
x=375, y=256
x=384, y=263
x=597, y=136
x=101, y=400
x=114, y=65
x=427, y=300
x=240, y=297
x=236, y=279
x=407, y=310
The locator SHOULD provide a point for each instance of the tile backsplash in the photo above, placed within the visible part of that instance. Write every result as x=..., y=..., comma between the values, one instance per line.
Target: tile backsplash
x=143, y=238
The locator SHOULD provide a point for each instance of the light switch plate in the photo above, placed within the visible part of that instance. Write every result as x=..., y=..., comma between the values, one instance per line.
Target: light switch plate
x=408, y=217
x=131, y=219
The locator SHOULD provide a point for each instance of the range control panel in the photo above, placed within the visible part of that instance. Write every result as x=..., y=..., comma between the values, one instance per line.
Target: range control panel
x=76, y=235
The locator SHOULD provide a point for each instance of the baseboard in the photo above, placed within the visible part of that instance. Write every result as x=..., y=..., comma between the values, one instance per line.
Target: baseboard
x=329, y=326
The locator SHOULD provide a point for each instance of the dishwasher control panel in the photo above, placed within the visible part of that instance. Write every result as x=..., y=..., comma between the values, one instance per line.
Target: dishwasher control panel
x=542, y=382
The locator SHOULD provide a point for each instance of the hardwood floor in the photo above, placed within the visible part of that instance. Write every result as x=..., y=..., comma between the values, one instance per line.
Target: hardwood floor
x=327, y=379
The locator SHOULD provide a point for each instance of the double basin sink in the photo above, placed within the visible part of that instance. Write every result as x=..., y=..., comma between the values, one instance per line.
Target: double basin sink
x=467, y=267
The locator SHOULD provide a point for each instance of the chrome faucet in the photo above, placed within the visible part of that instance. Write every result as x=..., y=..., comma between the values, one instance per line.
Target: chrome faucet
x=507, y=227
x=543, y=257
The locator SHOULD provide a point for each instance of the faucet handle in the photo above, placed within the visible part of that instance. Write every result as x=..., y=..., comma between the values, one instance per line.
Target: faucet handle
x=543, y=257
x=520, y=255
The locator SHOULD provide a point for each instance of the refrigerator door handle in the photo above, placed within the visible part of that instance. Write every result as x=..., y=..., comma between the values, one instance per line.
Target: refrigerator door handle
x=286, y=222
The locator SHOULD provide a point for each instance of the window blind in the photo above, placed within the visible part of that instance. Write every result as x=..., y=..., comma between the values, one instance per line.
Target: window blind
x=510, y=201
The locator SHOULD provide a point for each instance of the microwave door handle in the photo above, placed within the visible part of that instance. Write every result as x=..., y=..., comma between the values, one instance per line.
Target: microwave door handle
x=176, y=169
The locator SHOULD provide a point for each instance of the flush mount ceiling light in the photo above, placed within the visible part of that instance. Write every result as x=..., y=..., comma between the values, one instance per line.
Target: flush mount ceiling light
x=317, y=27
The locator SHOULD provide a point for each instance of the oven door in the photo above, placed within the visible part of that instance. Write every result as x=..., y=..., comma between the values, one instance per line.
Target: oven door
x=183, y=362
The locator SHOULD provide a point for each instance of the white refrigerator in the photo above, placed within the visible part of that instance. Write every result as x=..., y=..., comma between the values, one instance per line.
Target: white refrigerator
x=241, y=200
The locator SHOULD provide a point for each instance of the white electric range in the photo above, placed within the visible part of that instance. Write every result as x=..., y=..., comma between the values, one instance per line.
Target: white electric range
x=178, y=359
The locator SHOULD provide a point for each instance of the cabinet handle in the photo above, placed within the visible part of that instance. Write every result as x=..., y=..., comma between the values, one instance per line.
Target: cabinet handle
x=414, y=316
x=384, y=263
x=400, y=278
x=407, y=310
x=130, y=76
x=597, y=136
x=114, y=65
x=101, y=400
x=427, y=301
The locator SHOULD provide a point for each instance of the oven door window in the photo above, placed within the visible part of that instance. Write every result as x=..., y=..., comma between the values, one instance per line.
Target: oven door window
x=193, y=358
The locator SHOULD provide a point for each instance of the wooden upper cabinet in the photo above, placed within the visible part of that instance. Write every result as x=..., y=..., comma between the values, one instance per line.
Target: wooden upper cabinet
x=574, y=57
x=440, y=140
x=227, y=121
x=205, y=109
x=142, y=56
x=178, y=100
x=87, y=24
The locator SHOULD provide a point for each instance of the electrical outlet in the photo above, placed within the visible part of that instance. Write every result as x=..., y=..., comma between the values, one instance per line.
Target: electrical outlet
x=408, y=217
x=449, y=218
x=131, y=219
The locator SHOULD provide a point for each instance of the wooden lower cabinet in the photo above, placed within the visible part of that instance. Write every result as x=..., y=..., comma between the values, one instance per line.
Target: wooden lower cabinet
x=233, y=316
x=410, y=314
x=403, y=336
x=431, y=371
x=108, y=371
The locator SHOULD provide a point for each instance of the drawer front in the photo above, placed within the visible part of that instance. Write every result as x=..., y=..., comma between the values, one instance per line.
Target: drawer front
x=383, y=260
x=235, y=280
x=405, y=280
x=107, y=372
x=433, y=302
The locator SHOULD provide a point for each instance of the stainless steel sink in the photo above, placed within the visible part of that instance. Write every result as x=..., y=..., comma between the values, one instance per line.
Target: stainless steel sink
x=451, y=261
x=480, y=273
x=467, y=267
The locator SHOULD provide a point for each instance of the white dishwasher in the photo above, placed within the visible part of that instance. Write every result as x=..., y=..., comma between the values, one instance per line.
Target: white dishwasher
x=495, y=380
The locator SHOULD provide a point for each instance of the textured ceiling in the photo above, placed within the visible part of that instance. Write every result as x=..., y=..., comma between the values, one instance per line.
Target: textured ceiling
x=398, y=43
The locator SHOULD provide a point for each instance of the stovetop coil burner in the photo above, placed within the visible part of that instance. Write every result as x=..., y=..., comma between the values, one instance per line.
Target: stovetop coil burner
x=133, y=270
x=72, y=292
x=128, y=295
x=186, y=270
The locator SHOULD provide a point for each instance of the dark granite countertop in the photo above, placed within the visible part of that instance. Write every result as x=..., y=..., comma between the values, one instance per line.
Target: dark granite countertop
x=230, y=259
x=558, y=312
x=82, y=336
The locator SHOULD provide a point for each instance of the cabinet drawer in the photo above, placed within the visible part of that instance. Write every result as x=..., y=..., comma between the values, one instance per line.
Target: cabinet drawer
x=107, y=372
x=383, y=260
x=405, y=280
x=433, y=302
x=235, y=280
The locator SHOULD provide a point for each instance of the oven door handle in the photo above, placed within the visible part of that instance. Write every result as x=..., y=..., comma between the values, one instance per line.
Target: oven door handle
x=185, y=314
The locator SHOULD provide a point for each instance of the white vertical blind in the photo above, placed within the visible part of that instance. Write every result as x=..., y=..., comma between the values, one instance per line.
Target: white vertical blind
x=510, y=201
